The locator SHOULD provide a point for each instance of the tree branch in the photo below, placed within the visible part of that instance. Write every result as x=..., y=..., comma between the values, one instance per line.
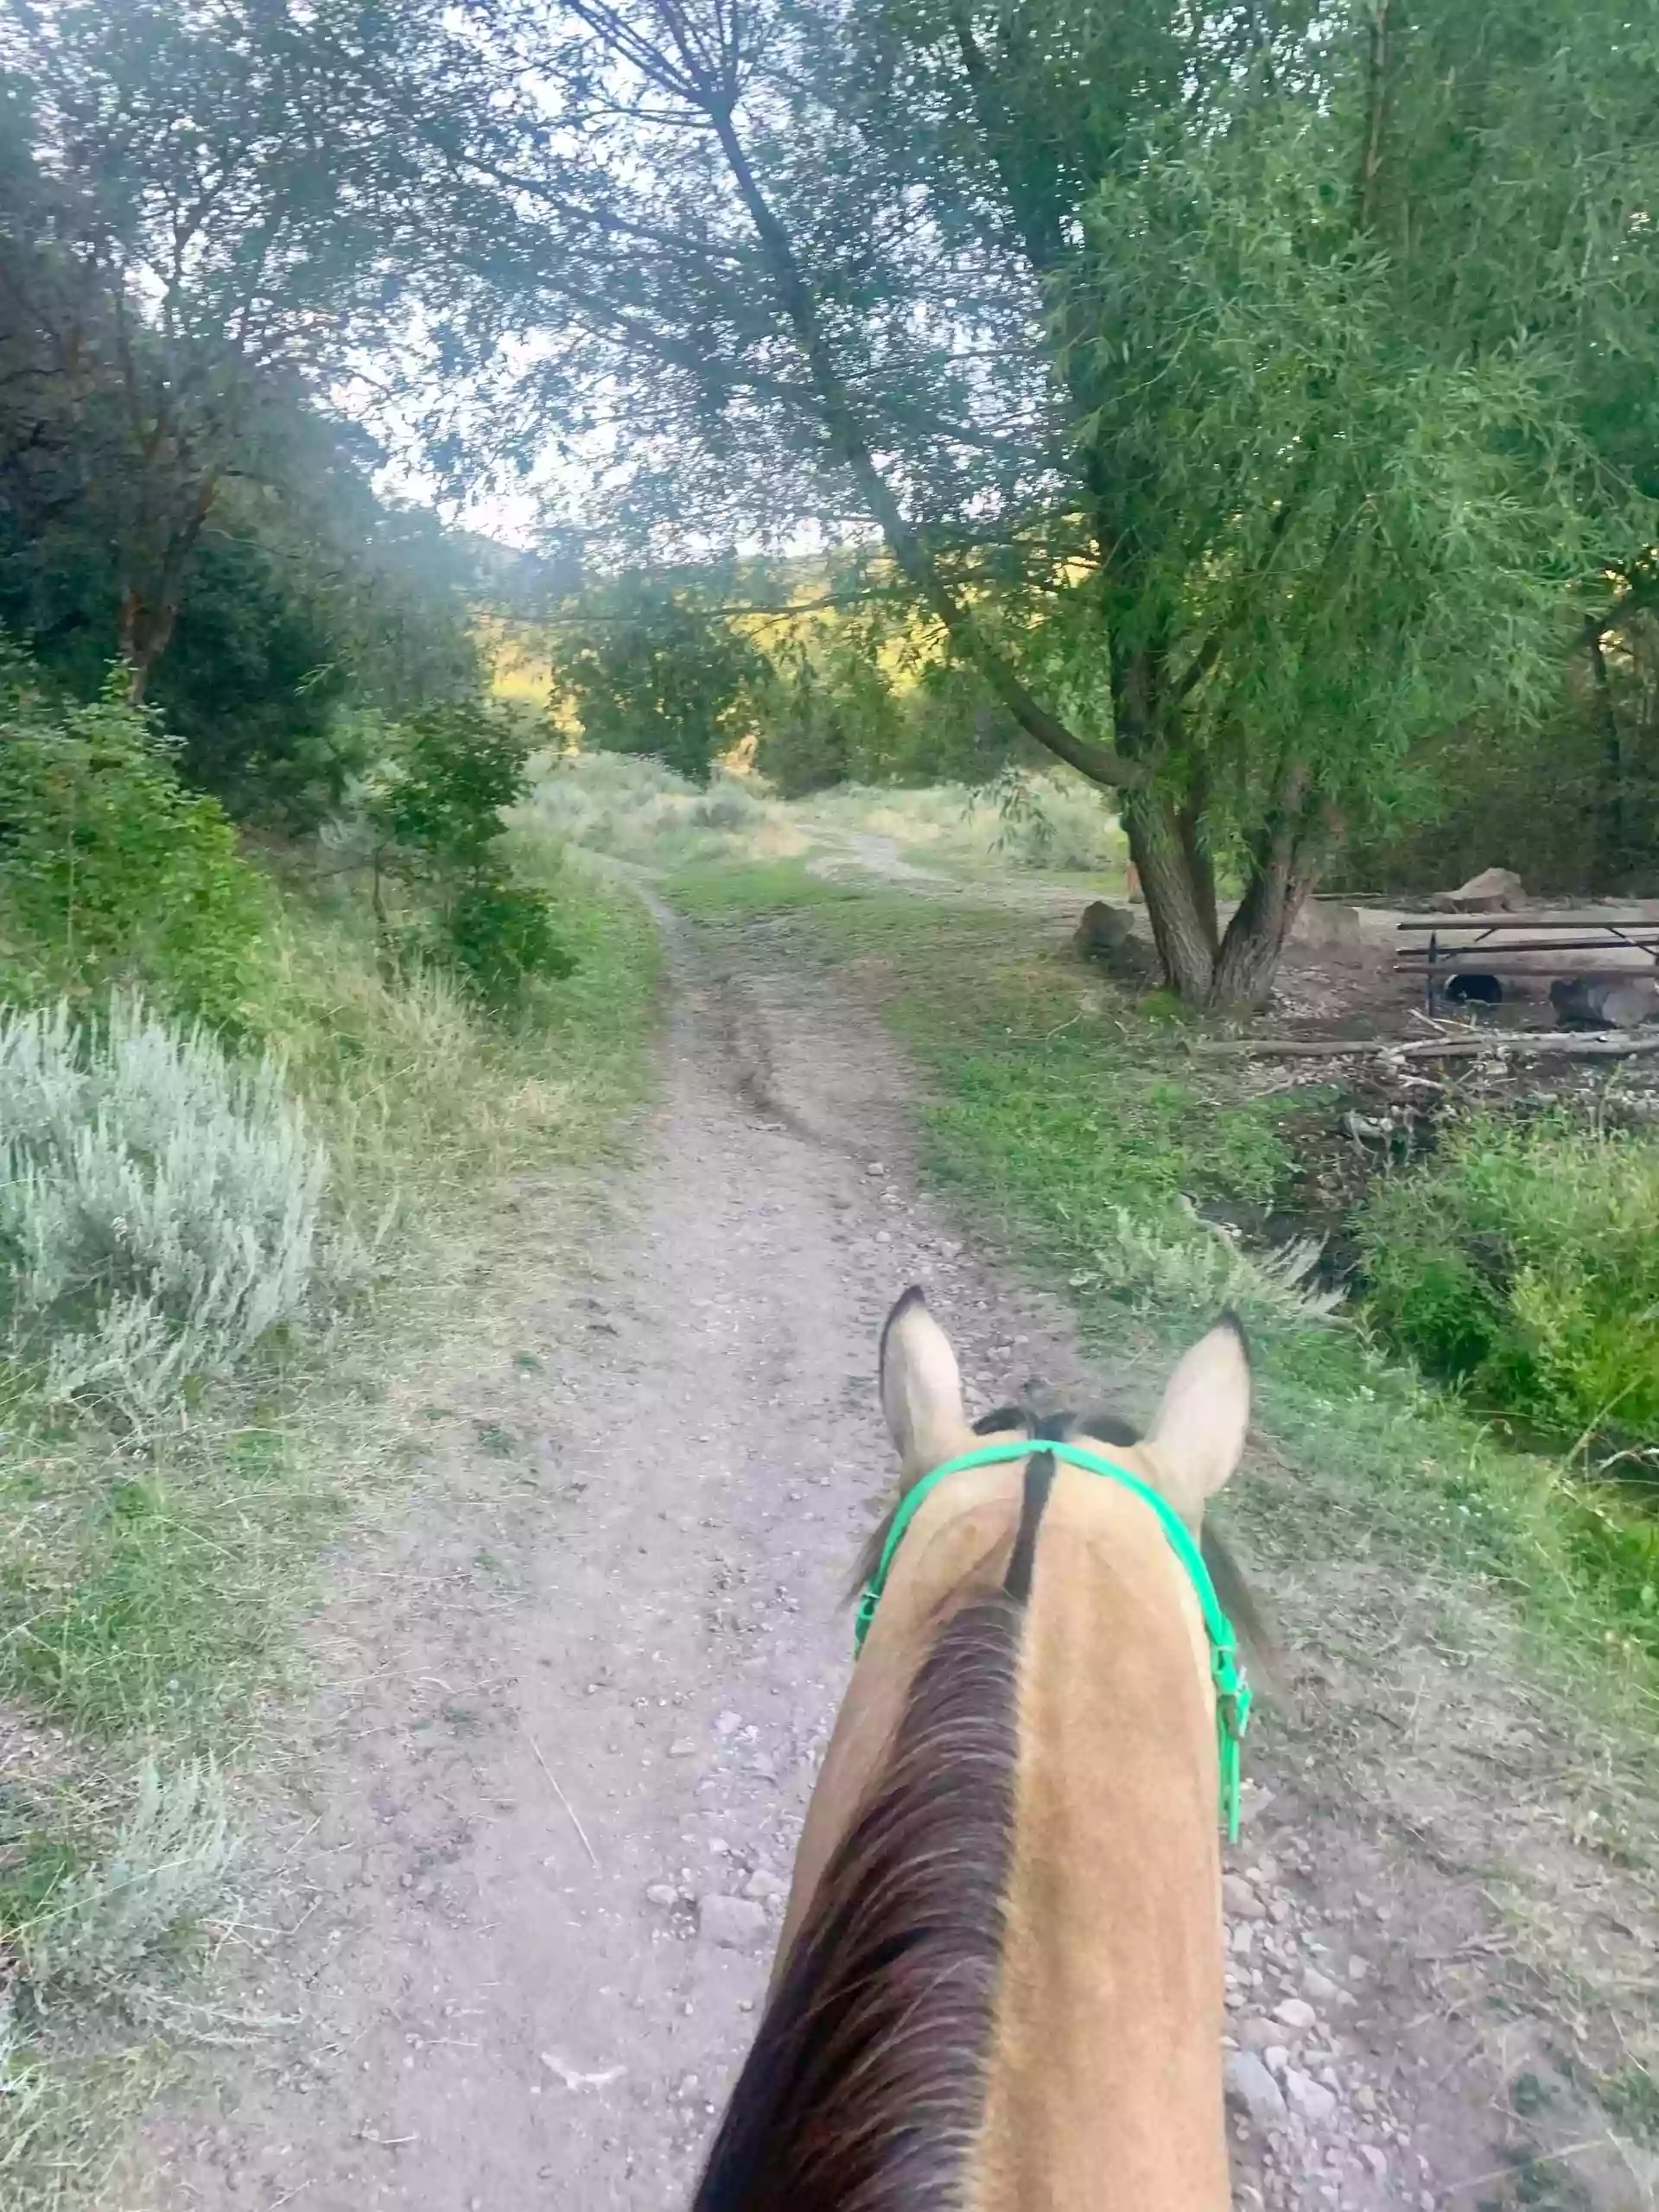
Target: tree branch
x=848, y=443
x=1377, y=95
x=1210, y=652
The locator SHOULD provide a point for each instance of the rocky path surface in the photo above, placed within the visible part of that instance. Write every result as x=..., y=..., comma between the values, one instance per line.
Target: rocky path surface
x=512, y=1921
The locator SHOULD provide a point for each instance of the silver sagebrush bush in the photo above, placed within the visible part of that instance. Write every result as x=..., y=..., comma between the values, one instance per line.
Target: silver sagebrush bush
x=159, y=1203
x=165, y=1869
x=1197, y=1263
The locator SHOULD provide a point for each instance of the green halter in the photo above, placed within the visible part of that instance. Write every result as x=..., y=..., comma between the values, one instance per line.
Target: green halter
x=1232, y=1692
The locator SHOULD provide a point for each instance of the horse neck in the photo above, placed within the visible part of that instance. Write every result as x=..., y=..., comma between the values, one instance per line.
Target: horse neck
x=1103, y=2084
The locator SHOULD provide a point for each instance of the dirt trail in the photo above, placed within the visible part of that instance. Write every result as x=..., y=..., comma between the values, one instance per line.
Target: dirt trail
x=491, y=2014
x=519, y=1915
x=873, y=853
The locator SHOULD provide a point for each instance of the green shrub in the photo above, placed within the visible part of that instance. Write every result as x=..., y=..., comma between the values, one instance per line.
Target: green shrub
x=500, y=935
x=833, y=709
x=1523, y=1262
x=1052, y=822
x=159, y=1204
x=1116, y=1175
x=812, y=720
x=436, y=816
x=726, y=805
x=110, y=872
x=451, y=770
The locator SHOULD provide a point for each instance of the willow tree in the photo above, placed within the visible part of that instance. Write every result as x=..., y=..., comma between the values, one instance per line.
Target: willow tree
x=1222, y=382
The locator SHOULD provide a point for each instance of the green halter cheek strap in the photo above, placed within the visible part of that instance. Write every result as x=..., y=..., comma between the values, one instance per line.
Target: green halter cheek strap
x=1232, y=1692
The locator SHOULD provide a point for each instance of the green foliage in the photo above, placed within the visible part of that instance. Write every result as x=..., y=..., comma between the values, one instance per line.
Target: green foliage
x=1055, y=822
x=500, y=935
x=830, y=712
x=1632, y=2097
x=453, y=771
x=166, y=1868
x=955, y=732
x=659, y=676
x=304, y=604
x=110, y=872
x=435, y=810
x=178, y=290
x=807, y=737
x=1363, y=535
x=1523, y=1263
x=1570, y=800
x=1117, y=1173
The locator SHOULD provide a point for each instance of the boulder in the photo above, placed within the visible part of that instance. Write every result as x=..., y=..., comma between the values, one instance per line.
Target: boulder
x=1494, y=891
x=1105, y=936
x=1101, y=928
x=1604, y=1001
x=732, y=1923
x=1329, y=925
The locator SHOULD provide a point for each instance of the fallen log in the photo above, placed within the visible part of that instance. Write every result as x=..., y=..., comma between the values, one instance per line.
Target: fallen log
x=1551, y=1044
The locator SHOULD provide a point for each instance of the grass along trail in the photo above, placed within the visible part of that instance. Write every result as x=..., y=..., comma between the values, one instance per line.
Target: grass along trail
x=520, y=1912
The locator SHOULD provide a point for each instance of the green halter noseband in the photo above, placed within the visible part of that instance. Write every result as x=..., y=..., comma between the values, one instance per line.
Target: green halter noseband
x=1232, y=1691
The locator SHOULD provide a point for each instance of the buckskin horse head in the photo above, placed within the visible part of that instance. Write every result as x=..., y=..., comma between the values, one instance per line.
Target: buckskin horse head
x=998, y=1987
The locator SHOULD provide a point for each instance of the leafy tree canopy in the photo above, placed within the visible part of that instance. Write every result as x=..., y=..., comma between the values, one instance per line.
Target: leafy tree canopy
x=189, y=267
x=651, y=671
x=1240, y=392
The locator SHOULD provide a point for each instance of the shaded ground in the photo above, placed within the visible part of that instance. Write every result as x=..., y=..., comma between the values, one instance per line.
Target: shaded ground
x=517, y=1910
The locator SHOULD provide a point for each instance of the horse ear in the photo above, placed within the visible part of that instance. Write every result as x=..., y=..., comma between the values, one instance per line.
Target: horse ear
x=1198, y=1439
x=921, y=1387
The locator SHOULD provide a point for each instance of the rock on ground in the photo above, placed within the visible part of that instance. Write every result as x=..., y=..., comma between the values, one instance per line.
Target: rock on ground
x=1495, y=890
x=732, y=1923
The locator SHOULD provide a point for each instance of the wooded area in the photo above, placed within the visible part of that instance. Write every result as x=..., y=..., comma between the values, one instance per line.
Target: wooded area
x=1254, y=409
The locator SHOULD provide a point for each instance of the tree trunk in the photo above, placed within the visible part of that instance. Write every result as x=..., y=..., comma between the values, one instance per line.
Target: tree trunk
x=1256, y=936
x=1181, y=930
x=146, y=619
x=1612, y=839
x=142, y=632
x=1200, y=867
x=1178, y=886
x=1286, y=865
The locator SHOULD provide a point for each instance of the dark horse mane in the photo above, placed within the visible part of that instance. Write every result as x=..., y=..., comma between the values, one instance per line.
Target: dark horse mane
x=864, y=2088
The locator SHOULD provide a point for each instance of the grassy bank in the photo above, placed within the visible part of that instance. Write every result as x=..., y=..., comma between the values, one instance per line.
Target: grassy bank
x=1073, y=1124
x=152, y=1569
